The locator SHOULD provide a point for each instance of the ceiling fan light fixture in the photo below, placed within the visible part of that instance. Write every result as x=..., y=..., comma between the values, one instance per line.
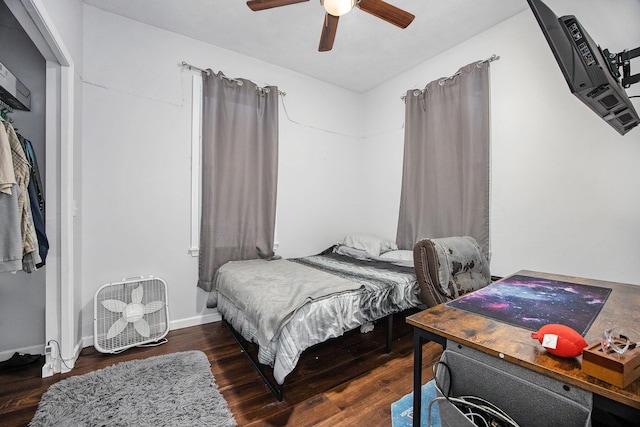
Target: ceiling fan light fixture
x=338, y=7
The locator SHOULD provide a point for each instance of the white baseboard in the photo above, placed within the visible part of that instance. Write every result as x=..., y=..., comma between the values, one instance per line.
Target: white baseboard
x=175, y=324
x=70, y=364
x=48, y=369
x=194, y=321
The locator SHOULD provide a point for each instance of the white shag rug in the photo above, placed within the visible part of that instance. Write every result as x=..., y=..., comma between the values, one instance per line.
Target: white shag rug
x=176, y=389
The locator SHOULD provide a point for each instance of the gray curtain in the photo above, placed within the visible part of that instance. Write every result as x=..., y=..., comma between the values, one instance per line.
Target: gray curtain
x=445, y=178
x=239, y=173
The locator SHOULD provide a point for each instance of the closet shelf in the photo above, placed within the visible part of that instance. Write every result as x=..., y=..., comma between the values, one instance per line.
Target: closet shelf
x=13, y=93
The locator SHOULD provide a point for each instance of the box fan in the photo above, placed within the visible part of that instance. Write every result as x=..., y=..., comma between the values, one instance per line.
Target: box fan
x=130, y=313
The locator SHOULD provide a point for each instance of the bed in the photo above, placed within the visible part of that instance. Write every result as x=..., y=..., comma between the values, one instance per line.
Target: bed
x=288, y=305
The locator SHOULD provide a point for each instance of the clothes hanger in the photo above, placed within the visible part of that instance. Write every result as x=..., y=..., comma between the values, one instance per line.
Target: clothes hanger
x=5, y=109
x=5, y=117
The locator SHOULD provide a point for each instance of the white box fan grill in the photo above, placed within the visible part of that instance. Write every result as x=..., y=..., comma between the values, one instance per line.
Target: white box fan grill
x=130, y=313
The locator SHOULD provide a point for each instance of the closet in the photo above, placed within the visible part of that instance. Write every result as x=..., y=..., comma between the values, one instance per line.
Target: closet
x=23, y=295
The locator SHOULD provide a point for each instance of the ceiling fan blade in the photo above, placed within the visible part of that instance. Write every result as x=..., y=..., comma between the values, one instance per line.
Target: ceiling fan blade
x=328, y=35
x=256, y=5
x=387, y=12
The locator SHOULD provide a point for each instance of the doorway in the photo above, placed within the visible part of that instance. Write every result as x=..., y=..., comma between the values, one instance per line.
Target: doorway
x=60, y=160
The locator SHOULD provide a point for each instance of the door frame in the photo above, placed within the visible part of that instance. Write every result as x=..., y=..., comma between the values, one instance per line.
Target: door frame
x=62, y=298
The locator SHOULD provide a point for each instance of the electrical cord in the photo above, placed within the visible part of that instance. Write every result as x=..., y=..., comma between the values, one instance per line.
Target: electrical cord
x=155, y=343
x=472, y=407
x=152, y=344
x=62, y=359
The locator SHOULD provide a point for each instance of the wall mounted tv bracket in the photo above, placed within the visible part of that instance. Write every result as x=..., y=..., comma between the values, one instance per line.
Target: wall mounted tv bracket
x=623, y=60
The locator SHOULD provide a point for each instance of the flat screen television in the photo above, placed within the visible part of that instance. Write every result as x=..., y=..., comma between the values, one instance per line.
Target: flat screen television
x=590, y=76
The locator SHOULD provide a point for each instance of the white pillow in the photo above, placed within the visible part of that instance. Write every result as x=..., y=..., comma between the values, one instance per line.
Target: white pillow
x=402, y=258
x=373, y=245
x=353, y=253
x=401, y=255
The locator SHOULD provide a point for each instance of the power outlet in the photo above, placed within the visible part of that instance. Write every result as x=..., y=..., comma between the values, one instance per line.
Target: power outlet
x=48, y=350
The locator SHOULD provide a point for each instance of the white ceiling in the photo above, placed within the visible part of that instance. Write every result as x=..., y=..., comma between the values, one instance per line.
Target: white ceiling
x=367, y=51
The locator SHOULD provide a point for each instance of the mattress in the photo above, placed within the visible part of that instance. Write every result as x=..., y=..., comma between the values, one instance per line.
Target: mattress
x=383, y=288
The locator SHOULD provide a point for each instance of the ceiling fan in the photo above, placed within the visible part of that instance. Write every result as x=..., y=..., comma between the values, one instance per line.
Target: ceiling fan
x=336, y=8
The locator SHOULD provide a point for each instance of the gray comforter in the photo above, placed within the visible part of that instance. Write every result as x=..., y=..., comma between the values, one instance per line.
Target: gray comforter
x=269, y=292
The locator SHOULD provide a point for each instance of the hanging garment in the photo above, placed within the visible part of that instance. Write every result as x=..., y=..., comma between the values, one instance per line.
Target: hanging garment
x=31, y=260
x=10, y=235
x=35, y=171
x=36, y=201
x=7, y=174
x=38, y=223
x=22, y=170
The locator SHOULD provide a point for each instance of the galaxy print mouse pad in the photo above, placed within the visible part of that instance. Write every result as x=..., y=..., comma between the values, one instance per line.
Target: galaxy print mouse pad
x=532, y=302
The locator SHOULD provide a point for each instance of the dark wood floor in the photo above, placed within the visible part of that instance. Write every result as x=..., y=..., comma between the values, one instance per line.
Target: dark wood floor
x=348, y=381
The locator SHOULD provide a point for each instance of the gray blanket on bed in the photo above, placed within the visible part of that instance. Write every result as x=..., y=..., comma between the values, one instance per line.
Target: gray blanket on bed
x=269, y=292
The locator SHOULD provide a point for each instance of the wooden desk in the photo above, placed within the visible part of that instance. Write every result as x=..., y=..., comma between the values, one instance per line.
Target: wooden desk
x=514, y=344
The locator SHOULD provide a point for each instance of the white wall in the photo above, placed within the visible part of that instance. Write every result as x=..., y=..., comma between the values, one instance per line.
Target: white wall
x=67, y=15
x=564, y=183
x=136, y=158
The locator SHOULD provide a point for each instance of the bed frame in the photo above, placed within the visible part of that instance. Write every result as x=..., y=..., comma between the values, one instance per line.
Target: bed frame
x=276, y=389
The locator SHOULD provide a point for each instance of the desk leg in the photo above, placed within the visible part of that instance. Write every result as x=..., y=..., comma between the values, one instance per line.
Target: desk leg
x=418, y=340
x=420, y=337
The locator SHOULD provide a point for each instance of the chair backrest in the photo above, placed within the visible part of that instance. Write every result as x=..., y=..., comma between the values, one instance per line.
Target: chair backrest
x=449, y=267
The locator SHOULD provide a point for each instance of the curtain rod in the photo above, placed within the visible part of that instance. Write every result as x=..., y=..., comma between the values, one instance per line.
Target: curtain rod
x=193, y=67
x=239, y=82
x=492, y=58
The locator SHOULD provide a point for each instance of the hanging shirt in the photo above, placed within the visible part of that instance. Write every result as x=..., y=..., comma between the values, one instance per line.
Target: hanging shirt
x=22, y=171
x=7, y=174
x=37, y=205
x=35, y=180
x=10, y=236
